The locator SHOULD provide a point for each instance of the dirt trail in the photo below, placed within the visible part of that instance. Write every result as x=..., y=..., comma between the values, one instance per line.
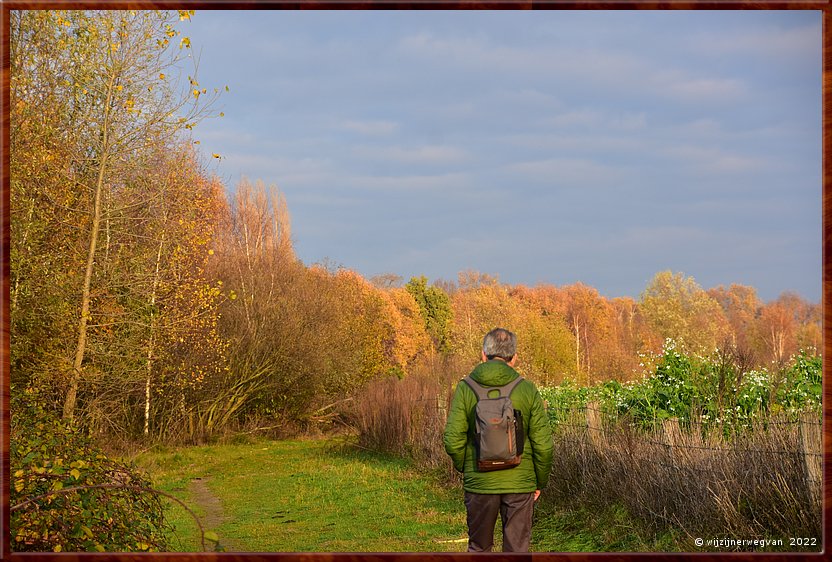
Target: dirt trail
x=213, y=514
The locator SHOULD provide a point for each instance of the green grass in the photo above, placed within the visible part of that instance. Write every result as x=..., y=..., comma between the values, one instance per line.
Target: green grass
x=611, y=529
x=326, y=496
x=309, y=496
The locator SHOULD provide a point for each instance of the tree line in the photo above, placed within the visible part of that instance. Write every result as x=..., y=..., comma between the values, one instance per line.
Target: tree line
x=147, y=299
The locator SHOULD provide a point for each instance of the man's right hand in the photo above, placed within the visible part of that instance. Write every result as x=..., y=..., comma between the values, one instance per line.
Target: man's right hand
x=536, y=494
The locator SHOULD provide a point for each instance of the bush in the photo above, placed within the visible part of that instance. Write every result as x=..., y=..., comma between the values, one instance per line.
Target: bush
x=66, y=495
x=714, y=392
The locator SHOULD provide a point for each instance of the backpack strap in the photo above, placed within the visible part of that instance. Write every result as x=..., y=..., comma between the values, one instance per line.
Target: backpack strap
x=510, y=386
x=482, y=392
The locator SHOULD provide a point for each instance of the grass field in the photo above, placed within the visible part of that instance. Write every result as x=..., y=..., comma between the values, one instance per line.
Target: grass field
x=326, y=496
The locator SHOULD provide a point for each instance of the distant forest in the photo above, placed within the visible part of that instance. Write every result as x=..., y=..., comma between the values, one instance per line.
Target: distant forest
x=148, y=301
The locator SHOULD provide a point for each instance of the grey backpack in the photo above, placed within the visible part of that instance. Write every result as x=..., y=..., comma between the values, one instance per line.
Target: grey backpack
x=498, y=431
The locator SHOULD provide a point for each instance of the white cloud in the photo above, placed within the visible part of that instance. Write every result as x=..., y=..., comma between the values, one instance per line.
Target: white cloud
x=528, y=97
x=567, y=171
x=410, y=182
x=579, y=117
x=370, y=128
x=415, y=155
x=629, y=121
x=480, y=53
x=701, y=89
x=562, y=142
x=590, y=67
x=706, y=126
x=713, y=160
x=598, y=119
x=772, y=41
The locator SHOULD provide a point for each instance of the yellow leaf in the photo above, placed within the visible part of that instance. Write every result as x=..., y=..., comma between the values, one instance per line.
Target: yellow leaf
x=87, y=530
x=161, y=76
x=215, y=155
x=19, y=473
x=58, y=486
x=75, y=473
x=211, y=536
x=57, y=548
x=99, y=548
x=18, y=485
x=210, y=252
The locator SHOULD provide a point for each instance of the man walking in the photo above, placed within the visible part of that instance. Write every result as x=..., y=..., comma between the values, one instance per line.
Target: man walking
x=511, y=492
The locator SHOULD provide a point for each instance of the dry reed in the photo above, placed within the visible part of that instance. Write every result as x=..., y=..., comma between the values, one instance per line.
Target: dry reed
x=764, y=482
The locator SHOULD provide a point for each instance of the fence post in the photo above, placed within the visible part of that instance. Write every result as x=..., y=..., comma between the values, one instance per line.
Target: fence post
x=811, y=445
x=593, y=423
x=672, y=435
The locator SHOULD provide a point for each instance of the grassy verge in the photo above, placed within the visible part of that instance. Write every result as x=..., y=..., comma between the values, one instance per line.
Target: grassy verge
x=307, y=496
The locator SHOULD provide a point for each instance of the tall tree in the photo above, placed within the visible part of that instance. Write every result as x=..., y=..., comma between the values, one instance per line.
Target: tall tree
x=121, y=62
x=435, y=308
x=678, y=308
x=741, y=306
x=109, y=88
x=44, y=242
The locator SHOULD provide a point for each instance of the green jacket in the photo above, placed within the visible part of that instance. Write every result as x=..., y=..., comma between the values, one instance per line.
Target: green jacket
x=533, y=472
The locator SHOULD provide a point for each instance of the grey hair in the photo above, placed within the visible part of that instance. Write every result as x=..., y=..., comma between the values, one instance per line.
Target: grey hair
x=499, y=342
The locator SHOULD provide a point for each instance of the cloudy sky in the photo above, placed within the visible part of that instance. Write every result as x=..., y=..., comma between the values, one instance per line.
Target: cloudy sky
x=544, y=147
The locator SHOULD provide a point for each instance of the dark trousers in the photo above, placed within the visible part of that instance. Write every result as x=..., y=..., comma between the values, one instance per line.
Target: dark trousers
x=515, y=511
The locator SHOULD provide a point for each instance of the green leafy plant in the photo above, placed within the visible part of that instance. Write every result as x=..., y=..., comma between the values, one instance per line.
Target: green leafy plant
x=66, y=495
x=710, y=391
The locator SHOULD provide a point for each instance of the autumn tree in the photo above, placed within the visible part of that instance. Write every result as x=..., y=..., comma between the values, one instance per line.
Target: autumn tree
x=807, y=318
x=408, y=340
x=810, y=331
x=741, y=307
x=44, y=240
x=678, y=308
x=105, y=87
x=545, y=347
x=631, y=337
x=266, y=327
x=184, y=351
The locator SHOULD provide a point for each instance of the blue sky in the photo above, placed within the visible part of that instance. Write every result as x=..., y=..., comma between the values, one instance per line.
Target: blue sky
x=544, y=147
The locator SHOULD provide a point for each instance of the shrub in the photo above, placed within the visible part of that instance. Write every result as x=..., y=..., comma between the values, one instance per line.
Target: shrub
x=66, y=495
x=713, y=392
